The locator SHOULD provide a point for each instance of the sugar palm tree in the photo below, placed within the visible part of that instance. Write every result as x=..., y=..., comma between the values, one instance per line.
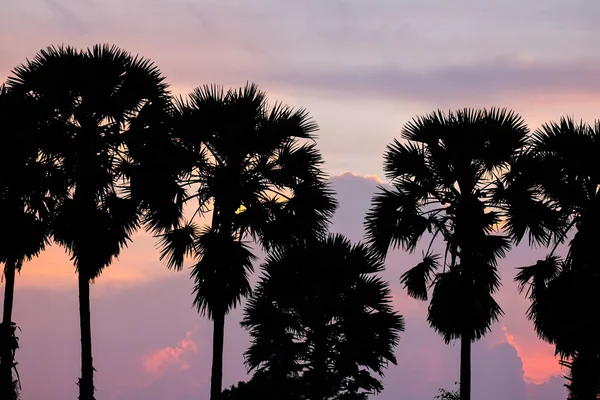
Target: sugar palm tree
x=443, y=179
x=322, y=317
x=552, y=194
x=100, y=109
x=257, y=171
x=28, y=194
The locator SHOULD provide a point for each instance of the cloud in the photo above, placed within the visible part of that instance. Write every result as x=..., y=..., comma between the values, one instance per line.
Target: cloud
x=552, y=389
x=356, y=192
x=170, y=357
x=68, y=17
x=489, y=81
x=391, y=50
x=540, y=368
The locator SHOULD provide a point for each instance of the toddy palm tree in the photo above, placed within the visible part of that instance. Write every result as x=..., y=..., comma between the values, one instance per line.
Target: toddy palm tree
x=552, y=193
x=100, y=110
x=28, y=194
x=322, y=317
x=443, y=180
x=258, y=172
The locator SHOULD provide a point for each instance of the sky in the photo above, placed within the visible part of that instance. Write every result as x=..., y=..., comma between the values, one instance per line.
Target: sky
x=362, y=69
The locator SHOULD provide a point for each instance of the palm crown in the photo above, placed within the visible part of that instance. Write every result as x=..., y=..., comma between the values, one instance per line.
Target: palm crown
x=568, y=202
x=254, y=170
x=443, y=182
x=29, y=184
x=94, y=102
x=558, y=180
x=320, y=314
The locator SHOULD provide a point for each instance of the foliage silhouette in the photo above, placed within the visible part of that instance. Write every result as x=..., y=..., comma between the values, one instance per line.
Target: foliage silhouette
x=321, y=321
x=260, y=386
x=448, y=394
x=98, y=109
x=28, y=195
x=258, y=170
x=552, y=193
x=444, y=181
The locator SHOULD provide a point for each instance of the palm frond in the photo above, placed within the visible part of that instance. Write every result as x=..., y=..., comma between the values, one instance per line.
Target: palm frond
x=221, y=273
x=406, y=160
x=538, y=274
x=427, y=129
x=394, y=221
x=417, y=279
x=460, y=307
x=177, y=244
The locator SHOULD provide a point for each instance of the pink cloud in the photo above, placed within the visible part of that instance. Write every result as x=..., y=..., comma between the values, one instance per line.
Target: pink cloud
x=539, y=362
x=160, y=361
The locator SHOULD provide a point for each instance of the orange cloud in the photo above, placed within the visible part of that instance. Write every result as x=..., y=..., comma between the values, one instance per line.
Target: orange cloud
x=539, y=362
x=158, y=362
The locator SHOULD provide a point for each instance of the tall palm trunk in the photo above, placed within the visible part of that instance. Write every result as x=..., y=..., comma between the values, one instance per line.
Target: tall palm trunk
x=216, y=377
x=8, y=343
x=86, y=382
x=465, y=367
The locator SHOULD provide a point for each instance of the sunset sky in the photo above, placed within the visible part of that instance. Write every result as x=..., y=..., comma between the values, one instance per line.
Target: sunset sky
x=362, y=69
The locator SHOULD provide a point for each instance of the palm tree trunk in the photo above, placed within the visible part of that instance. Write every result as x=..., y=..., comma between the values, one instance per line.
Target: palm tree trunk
x=7, y=337
x=86, y=382
x=216, y=377
x=9, y=292
x=465, y=367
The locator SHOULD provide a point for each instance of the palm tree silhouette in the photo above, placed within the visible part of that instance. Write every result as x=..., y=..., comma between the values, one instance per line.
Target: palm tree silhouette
x=259, y=170
x=552, y=194
x=96, y=103
x=29, y=191
x=443, y=182
x=322, y=318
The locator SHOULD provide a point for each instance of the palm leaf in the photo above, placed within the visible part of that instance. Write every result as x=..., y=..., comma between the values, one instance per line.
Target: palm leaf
x=178, y=243
x=222, y=272
x=417, y=279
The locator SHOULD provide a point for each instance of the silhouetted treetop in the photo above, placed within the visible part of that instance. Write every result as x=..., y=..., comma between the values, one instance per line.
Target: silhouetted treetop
x=320, y=317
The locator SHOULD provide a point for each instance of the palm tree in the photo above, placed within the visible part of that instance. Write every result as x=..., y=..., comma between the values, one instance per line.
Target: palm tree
x=99, y=109
x=322, y=317
x=27, y=198
x=443, y=182
x=552, y=194
x=258, y=169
